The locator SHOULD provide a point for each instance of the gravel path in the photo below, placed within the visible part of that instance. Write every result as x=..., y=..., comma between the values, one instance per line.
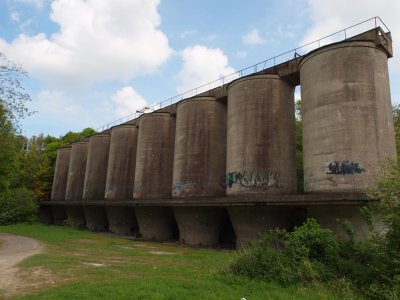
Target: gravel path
x=13, y=249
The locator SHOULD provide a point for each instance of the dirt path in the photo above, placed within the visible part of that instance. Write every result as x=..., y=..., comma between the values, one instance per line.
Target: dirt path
x=13, y=249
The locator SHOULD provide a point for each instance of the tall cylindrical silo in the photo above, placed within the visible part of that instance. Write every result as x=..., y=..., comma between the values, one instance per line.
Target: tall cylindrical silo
x=75, y=182
x=260, y=137
x=155, y=156
x=60, y=184
x=153, y=172
x=76, y=171
x=347, y=116
x=120, y=178
x=121, y=163
x=95, y=181
x=61, y=174
x=199, y=167
x=200, y=148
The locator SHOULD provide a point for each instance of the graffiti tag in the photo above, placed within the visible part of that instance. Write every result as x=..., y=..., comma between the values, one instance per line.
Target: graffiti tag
x=345, y=168
x=263, y=180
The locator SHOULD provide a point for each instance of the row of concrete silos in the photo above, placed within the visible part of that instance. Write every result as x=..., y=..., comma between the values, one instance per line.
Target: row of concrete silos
x=245, y=147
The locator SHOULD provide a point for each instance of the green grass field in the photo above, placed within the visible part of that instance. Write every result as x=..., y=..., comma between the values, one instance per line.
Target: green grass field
x=83, y=265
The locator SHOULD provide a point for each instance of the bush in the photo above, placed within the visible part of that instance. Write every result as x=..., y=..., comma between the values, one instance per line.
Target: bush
x=307, y=254
x=17, y=206
x=313, y=254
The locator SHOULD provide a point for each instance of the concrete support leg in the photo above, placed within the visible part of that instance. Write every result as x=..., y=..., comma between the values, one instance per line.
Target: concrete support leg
x=76, y=216
x=96, y=218
x=156, y=223
x=45, y=215
x=333, y=216
x=59, y=215
x=122, y=220
x=199, y=226
x=227, y=237
x=251, y=221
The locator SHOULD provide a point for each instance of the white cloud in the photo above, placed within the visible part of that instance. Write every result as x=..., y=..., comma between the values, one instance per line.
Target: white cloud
x=15, y=17
x=36, y=3
x=241, y=54
x=98, y=40
x=127, y=101
x=332, y=15
x=253, y=38
x=200, y=66
x=187, y=33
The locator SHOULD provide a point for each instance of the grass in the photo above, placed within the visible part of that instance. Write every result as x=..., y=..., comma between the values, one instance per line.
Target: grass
x=83, y=265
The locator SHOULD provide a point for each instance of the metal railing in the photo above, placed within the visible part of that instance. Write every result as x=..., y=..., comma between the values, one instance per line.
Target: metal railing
x=337, y=36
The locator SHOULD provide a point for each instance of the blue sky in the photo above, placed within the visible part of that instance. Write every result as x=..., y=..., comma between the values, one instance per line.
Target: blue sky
x=91, y=62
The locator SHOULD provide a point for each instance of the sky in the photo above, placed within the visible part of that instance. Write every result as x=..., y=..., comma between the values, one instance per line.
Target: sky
x=91, y=62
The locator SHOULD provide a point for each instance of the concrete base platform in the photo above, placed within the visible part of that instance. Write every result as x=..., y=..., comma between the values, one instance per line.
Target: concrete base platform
x=76, y=216
x=59, y=215
x=251, y=221
x=45, y=215
x=122, y=220
x=96, y=218
x=333, y=217
x=199, y=226
x=155, y=223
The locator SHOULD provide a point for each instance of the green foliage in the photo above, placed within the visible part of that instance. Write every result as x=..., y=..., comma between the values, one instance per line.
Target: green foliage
x=304, y=255
x=17, y=206
x=8, y=149
x=299, y=147
x=311, y=254
x=396, y=123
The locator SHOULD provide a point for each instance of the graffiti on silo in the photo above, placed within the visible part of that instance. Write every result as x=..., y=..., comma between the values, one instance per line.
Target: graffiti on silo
x=344, y=168
x=263, y=179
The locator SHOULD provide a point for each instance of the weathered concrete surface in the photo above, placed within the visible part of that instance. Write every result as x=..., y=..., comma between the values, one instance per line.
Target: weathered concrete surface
x=59, y=214
x=347, y=116
x=250, y=222
x=155, y=223
x=76, y=171
x=200, y=148
x=121, y=163
x=96, y=167
x=96, y=218
x=155, y=156
x=122, y=220
x=199, y=226
x=76, y=216
x=260, y=138
x=333, y=217
x=61, y=174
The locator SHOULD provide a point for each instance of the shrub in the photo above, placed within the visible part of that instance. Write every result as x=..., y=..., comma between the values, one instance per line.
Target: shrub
x=306, y=254
x=17, y=206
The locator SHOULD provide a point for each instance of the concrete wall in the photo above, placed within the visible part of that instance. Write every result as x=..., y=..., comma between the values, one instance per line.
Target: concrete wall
x=260, y=137
x=347, y=116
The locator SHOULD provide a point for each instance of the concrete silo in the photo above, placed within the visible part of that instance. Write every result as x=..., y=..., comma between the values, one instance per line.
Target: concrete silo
x=153, y=174
x=347, y=116
x=95, y=181
x=75, y=182
x=260, y=149
x=199, y=167
x=120, y=178
x=60, y=184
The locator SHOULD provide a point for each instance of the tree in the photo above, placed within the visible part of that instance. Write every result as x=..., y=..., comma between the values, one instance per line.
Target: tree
x=13, y=97
x=299, y=147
